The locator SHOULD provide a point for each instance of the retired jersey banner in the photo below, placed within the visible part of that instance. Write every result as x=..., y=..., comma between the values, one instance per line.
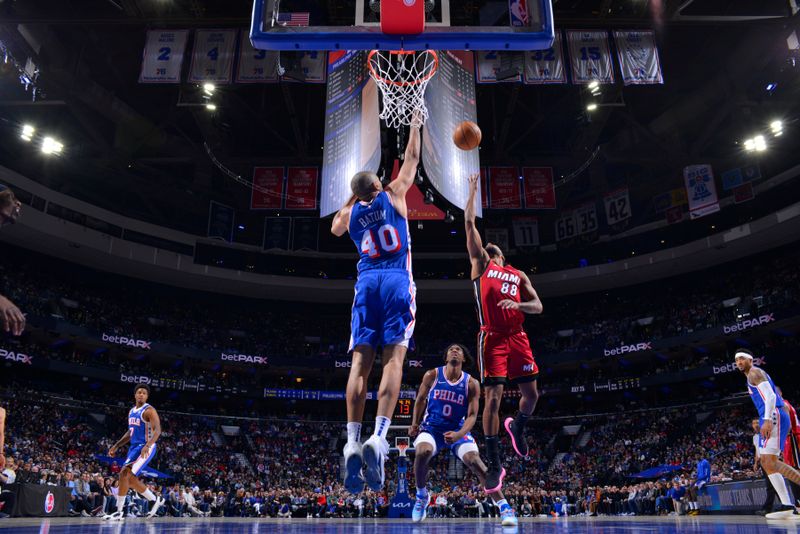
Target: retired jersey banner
x=700, y=190
x=484, y=188
x=526, y=231
x=267, y=189
x=212, y=57
x=565, y=226
x=586, y=218
x=618, y=206
x=504, y=185
x=301, y=188
x=489, y=63
x=277, y=232
x=255, y=66
x=546, y=66
x=307, y=67
x=220, y=221
x=590, y=57
x=540, y=194
x=638, y=57
x=498, y=236
x=163, y=56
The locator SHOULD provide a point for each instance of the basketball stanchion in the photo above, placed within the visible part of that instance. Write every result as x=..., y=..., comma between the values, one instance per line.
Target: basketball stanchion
x=402, y=503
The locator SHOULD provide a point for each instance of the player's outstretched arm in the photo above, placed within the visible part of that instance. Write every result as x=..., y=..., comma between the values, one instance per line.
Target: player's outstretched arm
x=341, y=220
x=478, y=256
x=408, y=171
x=473, y=398
x=421, y=402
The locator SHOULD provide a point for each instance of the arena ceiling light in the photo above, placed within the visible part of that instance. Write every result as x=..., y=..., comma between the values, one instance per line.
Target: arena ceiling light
x=594, y=84
x=591, y=107
x=27, y=132
x=209, y=88
x=211, y=107
x=756, y=144
x=51, y=146
x=776, y=127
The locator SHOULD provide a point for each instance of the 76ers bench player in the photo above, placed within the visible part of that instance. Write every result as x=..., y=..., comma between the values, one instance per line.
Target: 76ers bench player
x=383, y=308
x=503, y=296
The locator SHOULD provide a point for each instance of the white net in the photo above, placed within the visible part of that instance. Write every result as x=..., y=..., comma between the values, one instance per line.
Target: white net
x=402, y=78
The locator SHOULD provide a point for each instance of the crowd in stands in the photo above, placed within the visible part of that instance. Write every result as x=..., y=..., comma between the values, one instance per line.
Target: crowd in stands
x=291, y=468
x=115, y=305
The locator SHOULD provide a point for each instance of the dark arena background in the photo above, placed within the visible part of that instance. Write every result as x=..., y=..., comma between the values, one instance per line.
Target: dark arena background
x=177, y=267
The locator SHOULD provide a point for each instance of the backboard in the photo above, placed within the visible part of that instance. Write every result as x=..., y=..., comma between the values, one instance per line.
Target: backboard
x=286, y=25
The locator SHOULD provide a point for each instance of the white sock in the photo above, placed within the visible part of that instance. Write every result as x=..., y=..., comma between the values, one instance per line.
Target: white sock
x=121, y=503
x=149, y=495
x=780, y=488
x=353, y=432
x=382, y=425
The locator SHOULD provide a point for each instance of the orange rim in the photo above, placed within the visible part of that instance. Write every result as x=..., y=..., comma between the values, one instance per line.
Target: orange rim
x=403, y=53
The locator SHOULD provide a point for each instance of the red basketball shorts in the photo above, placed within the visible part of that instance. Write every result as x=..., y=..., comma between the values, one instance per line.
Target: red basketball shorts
x=505, y=357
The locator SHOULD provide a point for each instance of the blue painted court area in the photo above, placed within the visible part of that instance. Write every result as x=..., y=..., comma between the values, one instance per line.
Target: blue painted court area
x=580, y=525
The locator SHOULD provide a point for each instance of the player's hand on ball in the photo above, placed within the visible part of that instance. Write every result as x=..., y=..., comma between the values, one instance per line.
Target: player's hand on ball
x=451, y=437
x=508, y=304
x=473, y=180
x=413, y=430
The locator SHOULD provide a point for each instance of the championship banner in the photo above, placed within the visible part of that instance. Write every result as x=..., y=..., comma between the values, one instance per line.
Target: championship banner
x=618, y=206
x=700, y=190
x=255, y=66
x=212, y=57
x=638, y=57
x=220, y=221
x=540, y=194
x=162, y=58
x=484, y=188
x=305, y=67
x=590, y=57
x=267, y=189
x=489, y=63
x=504, y=188
x=301, y=188
x=526, y=231
x=545, y=66
x=277, y=232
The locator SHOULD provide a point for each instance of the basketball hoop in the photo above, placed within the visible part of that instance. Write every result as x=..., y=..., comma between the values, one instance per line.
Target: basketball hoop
x=401, y=449
x=402, y=78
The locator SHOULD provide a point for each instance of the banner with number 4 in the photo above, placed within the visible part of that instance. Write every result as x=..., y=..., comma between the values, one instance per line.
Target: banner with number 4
x=163, y=56
x=212, y=56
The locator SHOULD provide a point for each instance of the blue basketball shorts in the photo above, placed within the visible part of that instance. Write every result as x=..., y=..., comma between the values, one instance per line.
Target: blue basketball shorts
x=134, y=458
x=384, y=308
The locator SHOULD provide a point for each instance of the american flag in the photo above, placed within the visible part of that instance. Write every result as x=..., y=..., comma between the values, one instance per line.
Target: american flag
x=293, y=19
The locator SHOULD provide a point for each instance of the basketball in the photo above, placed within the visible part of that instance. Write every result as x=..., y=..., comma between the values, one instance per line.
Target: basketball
x=467, y=136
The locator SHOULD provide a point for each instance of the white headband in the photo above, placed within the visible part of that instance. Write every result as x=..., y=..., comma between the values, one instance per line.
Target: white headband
x=742, y=355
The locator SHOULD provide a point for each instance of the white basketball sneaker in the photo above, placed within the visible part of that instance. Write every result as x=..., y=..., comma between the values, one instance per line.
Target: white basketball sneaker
x=353, y=462
x=374, y=453
x=158, y=503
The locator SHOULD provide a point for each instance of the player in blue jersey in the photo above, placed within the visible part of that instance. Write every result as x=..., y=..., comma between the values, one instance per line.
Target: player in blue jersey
x=384, y=308
x=775, y=424
x=448, y=397
x=144, y=429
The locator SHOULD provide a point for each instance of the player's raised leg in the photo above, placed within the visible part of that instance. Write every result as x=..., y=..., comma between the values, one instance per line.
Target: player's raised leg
x=474, y=463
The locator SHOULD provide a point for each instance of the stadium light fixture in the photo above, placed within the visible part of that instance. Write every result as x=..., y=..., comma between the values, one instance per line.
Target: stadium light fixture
x=776, y=127
x=211, y=107
x=760, y=143
x=27, y=132
x=209, y=88
x=594, y=84
x=51, y=146
x=591, y=107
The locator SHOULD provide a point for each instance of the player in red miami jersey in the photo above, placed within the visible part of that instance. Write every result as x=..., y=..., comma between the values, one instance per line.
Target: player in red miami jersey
x=504, y=295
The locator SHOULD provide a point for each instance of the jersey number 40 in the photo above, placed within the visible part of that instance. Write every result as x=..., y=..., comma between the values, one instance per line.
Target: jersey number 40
x=388, y=239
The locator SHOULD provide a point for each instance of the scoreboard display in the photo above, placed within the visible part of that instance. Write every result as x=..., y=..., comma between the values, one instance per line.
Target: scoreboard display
x=403, y=412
